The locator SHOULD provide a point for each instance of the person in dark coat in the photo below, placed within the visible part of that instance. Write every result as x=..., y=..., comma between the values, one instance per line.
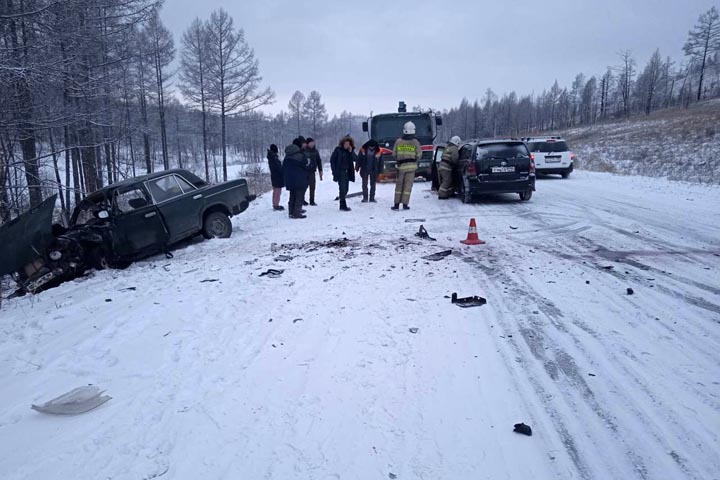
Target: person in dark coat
x=276, y=176
x=342, y=162
x=316, y=162
x=296, y=167
x=369, y=167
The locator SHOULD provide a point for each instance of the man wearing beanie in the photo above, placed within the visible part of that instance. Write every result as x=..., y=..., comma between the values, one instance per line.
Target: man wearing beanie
x=316, y=163
x=296, y=167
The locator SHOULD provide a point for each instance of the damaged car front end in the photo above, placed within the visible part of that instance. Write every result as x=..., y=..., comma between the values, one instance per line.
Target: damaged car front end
x=41, y=255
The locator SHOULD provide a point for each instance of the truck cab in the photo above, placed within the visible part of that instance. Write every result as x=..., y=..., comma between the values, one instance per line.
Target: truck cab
x=385, y=128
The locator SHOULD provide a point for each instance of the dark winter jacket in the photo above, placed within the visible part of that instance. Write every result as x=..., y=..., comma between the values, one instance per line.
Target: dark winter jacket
x=369, y=162
x=296, y=166
x=315, y=159
x=342, y=163
x=277, y=177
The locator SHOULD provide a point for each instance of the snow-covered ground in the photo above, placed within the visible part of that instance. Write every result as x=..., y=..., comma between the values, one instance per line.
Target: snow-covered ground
x=218, y=373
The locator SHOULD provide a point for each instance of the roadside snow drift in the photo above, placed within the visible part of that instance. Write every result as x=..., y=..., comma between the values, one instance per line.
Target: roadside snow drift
x=353, y=363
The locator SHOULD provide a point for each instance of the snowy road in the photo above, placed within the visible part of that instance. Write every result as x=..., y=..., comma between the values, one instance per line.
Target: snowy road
x=217, y=373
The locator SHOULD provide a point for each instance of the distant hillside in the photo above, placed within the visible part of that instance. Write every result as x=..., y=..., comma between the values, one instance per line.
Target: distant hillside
x=680, y=144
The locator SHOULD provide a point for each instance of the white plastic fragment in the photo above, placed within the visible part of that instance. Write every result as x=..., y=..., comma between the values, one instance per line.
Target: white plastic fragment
x=76, y=401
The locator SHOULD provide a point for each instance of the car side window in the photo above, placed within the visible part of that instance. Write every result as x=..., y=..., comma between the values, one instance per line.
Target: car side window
x=165, y=188
x=465, y=152
x=131, y=199
x=184, y=184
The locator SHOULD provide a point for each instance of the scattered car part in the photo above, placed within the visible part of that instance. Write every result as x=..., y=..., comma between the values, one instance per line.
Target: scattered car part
x=522, y=428
x=423, y=233
x=466, y=302
x=437, y=256
x=414, y=220
x=272, y=273
x=76, y=401
x=630, y=291
x=413, y=329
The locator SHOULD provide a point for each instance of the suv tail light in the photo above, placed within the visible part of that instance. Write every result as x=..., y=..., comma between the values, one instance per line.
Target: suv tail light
x=471, y=169
x=532, y=163
x=572, y=156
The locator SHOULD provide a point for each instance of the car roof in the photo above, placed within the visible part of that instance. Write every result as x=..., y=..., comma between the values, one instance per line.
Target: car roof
x=493, y=140
x=543, y=139
x=138, y=179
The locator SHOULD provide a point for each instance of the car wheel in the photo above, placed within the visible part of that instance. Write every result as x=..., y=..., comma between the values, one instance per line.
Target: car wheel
x=565, y=175
x=526, y=195
x=99, y=259
x=217, y=225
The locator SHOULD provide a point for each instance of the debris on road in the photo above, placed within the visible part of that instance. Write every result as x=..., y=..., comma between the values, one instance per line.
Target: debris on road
x=413, y=329
x=209, y=280
x=437, y=256
x=522, y=428
x=414, y=220
x=297, y=320
x=630, y=291
x=74, y=402
x=466, y=302
x=272, y=273
x=513, y=228
x=423, y=233
x=283, y=258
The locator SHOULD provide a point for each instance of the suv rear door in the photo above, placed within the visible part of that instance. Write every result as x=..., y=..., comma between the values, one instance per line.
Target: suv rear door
x=550, y=153
x=502, y=161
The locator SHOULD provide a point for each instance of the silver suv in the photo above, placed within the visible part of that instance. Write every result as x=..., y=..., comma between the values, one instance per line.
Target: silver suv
x=552, y=155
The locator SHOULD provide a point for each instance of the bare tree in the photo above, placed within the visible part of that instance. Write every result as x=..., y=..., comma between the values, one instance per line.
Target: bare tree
x=234, y=73
x=162, y=52
x=193, y=77
x=315, y=112
x=295, y=105
x=703, y=40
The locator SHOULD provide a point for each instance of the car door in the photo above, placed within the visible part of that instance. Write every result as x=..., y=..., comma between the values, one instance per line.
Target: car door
x=436, y=162
x=138, y=228
x=180, y=204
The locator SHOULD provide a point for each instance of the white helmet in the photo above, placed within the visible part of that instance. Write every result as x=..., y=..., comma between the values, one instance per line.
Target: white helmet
x=455, y=141
x=409, y=128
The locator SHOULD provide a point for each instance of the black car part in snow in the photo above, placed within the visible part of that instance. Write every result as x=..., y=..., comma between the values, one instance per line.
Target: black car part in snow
x=117, y=225
x=466, y=302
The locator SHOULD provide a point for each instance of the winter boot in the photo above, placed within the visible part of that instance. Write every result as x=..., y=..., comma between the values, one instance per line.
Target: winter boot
x=372, y=200
x=364, y=200
x=395, y=207
x=406, y=207
x=279, y=208
x=344, y=207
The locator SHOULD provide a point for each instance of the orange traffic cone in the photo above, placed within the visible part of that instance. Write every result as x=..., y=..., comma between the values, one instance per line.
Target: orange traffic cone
x=472, y=238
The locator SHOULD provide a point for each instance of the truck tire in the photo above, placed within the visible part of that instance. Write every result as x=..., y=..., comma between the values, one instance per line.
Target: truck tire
x=526, y=195
x=217, y=225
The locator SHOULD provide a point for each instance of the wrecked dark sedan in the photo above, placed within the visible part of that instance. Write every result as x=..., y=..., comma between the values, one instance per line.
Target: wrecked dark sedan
x=116, y=225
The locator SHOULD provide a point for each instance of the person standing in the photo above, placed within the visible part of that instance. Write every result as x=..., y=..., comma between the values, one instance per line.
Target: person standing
x=369, y=167
x=447, y=167
x=342, y=163
x=276, y=176
x=407, y=152
x=316, y=163
x=296, y=166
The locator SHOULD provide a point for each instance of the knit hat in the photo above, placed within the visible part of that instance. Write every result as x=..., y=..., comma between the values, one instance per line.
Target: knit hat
x=309, y=140
x=274, y=148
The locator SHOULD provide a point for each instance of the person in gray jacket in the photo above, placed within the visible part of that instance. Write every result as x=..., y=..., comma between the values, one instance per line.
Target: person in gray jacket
x=369, y=166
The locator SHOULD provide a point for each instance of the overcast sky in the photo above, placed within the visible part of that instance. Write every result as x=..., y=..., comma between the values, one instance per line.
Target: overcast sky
x=365, y=56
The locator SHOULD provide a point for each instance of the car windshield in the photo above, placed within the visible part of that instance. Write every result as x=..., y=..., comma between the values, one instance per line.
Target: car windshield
x=390, y=128
x=87, y=211
x=548, y=147
x=501, y=151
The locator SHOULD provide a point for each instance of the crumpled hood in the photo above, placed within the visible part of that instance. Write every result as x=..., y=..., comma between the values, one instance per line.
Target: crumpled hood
x=25, y=238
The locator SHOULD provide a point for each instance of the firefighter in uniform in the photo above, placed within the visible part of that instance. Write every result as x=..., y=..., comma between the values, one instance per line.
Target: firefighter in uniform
x=447, y=166
x=407, y=152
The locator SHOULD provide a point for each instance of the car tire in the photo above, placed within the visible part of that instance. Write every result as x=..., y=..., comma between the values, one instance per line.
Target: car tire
x=526, y=195
x=565, y=175
x=217, y=225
